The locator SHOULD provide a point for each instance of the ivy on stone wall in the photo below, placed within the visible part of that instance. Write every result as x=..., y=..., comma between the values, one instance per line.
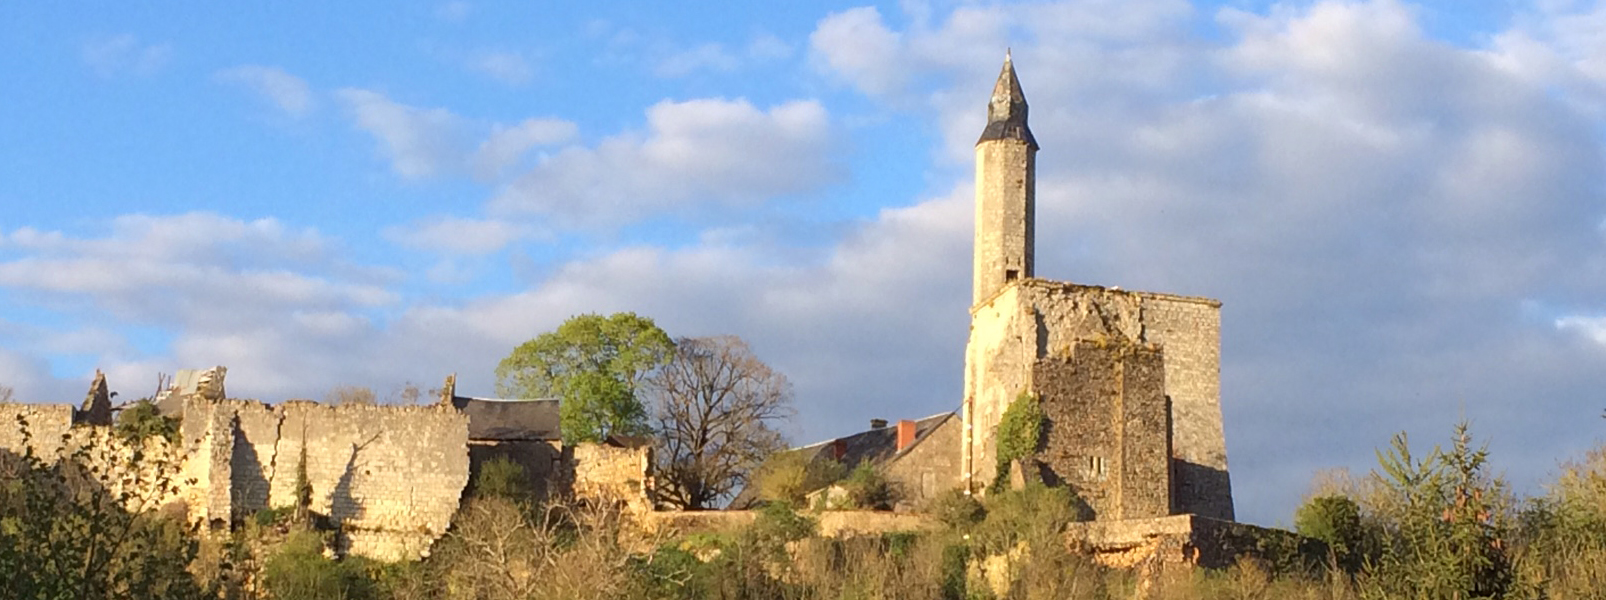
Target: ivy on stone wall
x=1020, y=429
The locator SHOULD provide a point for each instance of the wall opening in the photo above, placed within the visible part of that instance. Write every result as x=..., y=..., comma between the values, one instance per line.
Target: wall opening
x=1011, y=275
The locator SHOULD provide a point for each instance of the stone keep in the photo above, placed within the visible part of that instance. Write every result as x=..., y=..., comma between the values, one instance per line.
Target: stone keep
x=1031, y=335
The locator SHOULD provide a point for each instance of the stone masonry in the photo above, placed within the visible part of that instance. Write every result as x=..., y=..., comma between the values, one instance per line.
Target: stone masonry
x=1108, y=432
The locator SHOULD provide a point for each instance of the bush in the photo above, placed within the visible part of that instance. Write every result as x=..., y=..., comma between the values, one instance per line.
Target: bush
x=1036, y=512
x=300, y=571
x=1335, y=520
x=63, y=534
x=500, y=477
x=957, y=510
x=142, y=420
x=867, y=489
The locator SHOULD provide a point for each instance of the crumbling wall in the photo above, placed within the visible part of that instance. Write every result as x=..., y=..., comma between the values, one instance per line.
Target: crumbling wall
x=152, y=480
x=612, y=473
x=391, y=476
x=1106, y=433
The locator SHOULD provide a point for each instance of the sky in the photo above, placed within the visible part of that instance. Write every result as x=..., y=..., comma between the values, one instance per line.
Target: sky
x=1398, y=204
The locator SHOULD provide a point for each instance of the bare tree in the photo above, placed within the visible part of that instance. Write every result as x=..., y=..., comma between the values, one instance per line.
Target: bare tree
x=716, y=409
x=6, y=395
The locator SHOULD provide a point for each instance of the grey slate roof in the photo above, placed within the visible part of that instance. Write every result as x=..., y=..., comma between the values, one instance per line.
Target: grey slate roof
x=509, y=420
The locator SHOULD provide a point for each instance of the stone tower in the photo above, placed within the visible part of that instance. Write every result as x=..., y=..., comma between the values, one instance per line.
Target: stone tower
x=1006, y=173
x=1129, y=381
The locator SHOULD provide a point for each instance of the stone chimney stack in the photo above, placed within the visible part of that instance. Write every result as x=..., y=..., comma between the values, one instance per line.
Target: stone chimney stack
x=878, y=423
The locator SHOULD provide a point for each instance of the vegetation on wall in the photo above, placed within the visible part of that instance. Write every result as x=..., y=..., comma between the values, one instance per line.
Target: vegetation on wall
x=1020, y=430
x=142, y=419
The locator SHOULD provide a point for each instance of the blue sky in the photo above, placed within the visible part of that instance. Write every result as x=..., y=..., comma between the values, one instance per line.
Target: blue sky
x=1398, y=203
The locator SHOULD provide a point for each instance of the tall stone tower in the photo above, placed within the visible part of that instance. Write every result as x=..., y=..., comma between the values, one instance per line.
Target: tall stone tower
x=1006, y=173
x=1129, y=381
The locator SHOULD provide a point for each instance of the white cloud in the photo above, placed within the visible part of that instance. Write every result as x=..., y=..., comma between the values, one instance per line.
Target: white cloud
x=195, y=269
x=709, y=56
x=505, y=146
x=699, y=152
x=1372, y=205
x=124, y=54
x=1593, y=328
x=422, y=143
x=418, y=142
x=507, y=67
x=289, y=93
x=856, y=45
x=456, y=235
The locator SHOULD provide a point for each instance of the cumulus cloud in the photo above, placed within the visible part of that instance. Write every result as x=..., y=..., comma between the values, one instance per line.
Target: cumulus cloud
x=421, y=143
x=505, y=146
x=709, y=56
x=698, y=152
x=289, y=93
x=196, y=269
x=1374, y=207
x=456, y=235
x=124, y=54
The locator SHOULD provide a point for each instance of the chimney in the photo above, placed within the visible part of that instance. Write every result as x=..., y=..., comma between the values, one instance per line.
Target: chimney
x=906, y=434
x=878, y=423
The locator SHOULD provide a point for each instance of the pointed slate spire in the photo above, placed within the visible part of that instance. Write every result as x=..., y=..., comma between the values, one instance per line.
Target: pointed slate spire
x=1006, y=113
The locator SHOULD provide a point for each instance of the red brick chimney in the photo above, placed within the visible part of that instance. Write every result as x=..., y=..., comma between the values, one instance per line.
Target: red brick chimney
x=906, y=434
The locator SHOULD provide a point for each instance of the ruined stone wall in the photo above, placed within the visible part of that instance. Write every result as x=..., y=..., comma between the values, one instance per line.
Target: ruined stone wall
x=154, y=479
x=1106, y=433
x=612, y=473
x=390, y=476
x=928, y=468
x=1032, y=319
x=1189, y=329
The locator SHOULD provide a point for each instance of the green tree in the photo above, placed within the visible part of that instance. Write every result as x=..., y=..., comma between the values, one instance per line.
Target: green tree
x=595, y=365
x=1336, y=520
x=1446, y=524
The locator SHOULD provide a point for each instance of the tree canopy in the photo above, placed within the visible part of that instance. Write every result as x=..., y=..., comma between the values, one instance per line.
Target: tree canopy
x=595, y=365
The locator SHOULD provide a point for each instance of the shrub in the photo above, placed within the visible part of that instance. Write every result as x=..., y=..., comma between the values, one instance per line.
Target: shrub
x=142, y=420
x=500, y=477
x=866, y=488
x=1336, y=521
x=1034, y=512
x=300, y=571
x=957, y=510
